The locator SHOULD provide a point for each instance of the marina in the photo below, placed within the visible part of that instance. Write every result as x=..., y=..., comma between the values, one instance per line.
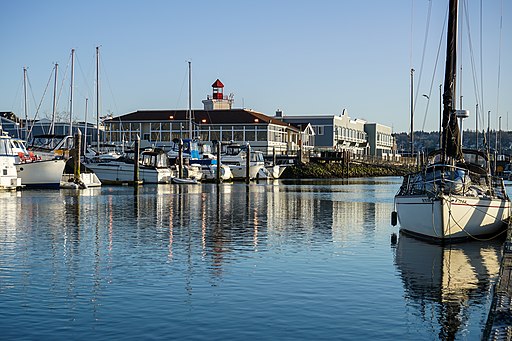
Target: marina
x=329, y=174
x=286, y=259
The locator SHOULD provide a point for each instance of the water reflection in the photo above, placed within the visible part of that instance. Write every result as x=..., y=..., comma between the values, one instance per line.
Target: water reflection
x=442, y=282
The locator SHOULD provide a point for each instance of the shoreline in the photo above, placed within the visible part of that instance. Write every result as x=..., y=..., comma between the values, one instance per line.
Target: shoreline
x=337, y=170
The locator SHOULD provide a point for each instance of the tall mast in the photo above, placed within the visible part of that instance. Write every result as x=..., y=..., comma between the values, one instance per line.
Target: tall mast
x=189, y=100
x=25, y=100
x=71, y=92
x=98, y=97
x=85, y=128
x=54, y=111
x=451, y=138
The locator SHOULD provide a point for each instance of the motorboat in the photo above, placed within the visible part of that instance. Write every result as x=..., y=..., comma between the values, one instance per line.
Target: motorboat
x=235, y=157
x=153, y=168
x=9, y=179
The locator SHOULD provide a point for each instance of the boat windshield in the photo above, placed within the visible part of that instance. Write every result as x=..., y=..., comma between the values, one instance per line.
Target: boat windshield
x=470, y=157
x=5, y=147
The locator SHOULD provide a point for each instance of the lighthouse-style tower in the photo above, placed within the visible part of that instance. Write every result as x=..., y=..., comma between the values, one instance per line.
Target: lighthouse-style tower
x=217, y=101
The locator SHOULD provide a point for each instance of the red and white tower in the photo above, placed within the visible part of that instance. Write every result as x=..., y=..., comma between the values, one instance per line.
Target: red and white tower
x=217, y=101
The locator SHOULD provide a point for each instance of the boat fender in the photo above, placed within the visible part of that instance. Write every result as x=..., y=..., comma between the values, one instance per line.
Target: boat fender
x=394, y=218
x=394, y=239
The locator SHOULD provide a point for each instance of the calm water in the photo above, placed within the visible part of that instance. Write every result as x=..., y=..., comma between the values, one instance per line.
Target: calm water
x=283, y=260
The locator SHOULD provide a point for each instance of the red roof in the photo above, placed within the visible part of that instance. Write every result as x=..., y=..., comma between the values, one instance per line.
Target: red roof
x=217, y=84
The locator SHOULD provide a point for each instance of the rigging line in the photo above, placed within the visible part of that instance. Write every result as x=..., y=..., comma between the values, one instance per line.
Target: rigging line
x=499, y=63
x=104, y=71
x=62, y=84
x=481, y=57
x=181, y=89
x=424, y=50
x=89, y=92
x=435, y=67
x=15, y=99
x=41, y=101
x=472, y=63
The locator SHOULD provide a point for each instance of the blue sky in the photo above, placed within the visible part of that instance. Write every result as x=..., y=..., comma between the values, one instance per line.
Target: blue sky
x=303, y=57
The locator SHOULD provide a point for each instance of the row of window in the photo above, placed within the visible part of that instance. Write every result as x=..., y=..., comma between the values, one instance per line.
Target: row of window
x=160, y=132
x=384, y=139
x=343, y=133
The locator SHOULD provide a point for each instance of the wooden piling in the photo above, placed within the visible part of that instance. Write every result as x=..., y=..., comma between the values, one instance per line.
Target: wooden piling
x=219, y=144
x=180, y=159
x=247, y=164
x=136, y=161
x=76, y=154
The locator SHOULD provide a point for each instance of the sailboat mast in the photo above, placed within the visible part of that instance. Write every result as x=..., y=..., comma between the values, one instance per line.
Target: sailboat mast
x=98, y=97
x=54, y=111
x=190, y=100
x=451, y=139
x=25, y=102
x=85, y=128
x=71, y=92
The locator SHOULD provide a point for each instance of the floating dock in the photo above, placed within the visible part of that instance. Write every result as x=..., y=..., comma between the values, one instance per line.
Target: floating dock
x=499, y=321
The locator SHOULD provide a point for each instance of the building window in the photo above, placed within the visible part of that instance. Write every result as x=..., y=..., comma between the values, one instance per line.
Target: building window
x=319, y=130
x=250, y=135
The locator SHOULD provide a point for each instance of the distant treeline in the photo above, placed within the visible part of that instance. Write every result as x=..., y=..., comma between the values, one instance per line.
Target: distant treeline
x=428, y=141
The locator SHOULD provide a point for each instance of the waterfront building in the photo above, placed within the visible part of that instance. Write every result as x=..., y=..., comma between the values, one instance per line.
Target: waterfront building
x=335, y=132
x=217, y=121
x=380, y=140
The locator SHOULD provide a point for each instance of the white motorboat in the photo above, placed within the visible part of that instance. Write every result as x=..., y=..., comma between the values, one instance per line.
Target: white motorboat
x=454, y=196
x=236, y=158
x=184, y=181
x=153, y=168
x=9, y=179
x=209, y=170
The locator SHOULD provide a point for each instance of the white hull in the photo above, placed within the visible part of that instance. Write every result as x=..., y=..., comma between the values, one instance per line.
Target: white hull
x=45, y=173
x=257, y=171
x=451, y=216
x=8, y=177
x=88, y=179
x=210, y=173
x=119, y=172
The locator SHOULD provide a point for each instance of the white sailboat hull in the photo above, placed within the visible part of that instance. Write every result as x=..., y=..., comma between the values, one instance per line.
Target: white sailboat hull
x=451, y=216
x=44, y=173
x=118, y=173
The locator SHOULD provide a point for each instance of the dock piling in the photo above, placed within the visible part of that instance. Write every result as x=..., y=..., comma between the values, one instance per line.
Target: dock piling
x=136, y=161
x=247, y=164
x=219, y=169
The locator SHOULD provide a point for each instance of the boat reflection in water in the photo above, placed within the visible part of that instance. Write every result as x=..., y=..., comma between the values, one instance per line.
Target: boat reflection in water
x=443, y=281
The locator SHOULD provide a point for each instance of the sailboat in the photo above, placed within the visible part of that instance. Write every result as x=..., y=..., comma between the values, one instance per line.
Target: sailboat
x=454, y=196
x=41, y=170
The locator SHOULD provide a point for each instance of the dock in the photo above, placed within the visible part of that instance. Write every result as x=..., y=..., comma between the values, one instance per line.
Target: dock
x=499, y=321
